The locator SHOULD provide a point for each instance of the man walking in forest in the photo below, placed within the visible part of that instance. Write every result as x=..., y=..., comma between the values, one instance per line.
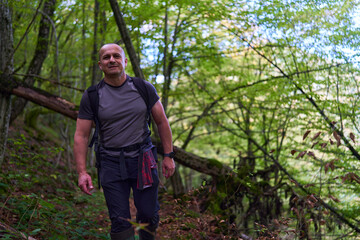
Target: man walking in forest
x=121, y=106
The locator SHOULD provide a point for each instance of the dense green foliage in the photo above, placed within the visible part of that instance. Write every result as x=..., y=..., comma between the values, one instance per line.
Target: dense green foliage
x=243, y=81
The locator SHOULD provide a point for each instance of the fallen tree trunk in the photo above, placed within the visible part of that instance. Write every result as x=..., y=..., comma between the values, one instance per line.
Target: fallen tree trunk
x=207, y=166
x=47, y=100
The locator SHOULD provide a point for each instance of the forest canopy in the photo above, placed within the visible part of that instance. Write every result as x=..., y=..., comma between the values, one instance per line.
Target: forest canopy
x=268, y=88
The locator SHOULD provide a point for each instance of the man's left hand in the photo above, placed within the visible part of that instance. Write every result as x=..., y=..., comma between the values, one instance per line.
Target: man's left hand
x=168, y=167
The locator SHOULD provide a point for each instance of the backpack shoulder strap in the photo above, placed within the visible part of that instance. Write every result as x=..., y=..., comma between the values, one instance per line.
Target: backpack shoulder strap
x=141, y=87
x=94, y=103
x=94, y=98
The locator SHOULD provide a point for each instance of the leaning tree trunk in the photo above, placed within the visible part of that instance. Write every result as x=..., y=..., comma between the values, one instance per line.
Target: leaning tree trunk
x=126, y=38
x=96, y=73
x=6, y=69
x=40, y=54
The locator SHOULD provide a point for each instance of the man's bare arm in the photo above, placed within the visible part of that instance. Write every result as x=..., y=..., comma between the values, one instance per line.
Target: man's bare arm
x=81, y=139
x=168, y=166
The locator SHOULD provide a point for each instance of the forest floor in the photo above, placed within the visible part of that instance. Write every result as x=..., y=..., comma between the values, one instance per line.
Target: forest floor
x=39, y=198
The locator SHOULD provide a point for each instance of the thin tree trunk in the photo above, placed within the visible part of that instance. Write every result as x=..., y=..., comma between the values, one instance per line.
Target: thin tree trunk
x=96, y=73
x=5, y=111
x=165, y=90
x=6, y=68
x=176, y=180
x=126, y=38
x=40, y=54
x=169, y=61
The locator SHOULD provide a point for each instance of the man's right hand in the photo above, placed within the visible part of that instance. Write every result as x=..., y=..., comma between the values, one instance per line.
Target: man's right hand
x=85, y=183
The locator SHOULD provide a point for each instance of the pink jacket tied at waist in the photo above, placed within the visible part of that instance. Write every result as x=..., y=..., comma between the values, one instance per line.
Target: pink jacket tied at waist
x=146, y=163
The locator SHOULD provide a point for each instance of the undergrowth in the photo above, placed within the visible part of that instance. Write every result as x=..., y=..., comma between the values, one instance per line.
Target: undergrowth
x=39, y=196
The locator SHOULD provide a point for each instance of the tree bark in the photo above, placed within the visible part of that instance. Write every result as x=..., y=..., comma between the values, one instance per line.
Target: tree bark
x=165, y=90
x=126, y=38
x=5, y=111
x=96, y=73
x=6, y=68
x=47, y=100
x=40, y=54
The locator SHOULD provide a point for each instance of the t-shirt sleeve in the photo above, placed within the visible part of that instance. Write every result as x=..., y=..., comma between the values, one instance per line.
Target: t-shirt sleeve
x=153, y=96
x=85, y=111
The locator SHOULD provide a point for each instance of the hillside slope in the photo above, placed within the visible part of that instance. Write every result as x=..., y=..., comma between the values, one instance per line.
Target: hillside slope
x=40, y=198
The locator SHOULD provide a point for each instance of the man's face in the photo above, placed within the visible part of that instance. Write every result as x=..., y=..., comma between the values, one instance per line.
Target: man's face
x=112, y=60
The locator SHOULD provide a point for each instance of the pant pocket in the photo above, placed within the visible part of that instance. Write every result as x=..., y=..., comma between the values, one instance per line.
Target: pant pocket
x=109, y=171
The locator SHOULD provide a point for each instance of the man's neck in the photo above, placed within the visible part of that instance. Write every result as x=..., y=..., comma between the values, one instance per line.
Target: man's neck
x=115, y=80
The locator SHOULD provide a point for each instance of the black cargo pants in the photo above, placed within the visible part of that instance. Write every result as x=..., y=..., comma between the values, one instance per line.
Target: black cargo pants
x=117, y=193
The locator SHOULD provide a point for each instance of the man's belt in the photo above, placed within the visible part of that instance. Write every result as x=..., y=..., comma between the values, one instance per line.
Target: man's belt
x=130, y=148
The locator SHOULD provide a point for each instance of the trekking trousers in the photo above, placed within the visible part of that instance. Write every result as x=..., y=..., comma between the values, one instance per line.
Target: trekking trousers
x=117, y=193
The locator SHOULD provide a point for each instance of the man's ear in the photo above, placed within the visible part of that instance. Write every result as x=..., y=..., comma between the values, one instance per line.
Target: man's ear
x=126, y=61
x=99, y=65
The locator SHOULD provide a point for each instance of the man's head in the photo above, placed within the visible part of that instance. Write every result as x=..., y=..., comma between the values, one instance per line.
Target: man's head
x=112, y=60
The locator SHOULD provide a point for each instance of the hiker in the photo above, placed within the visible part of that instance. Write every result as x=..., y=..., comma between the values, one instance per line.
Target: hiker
x=121, y=106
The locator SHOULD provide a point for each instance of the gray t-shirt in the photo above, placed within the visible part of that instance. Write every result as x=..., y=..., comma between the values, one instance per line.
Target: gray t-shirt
x=122, y=114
